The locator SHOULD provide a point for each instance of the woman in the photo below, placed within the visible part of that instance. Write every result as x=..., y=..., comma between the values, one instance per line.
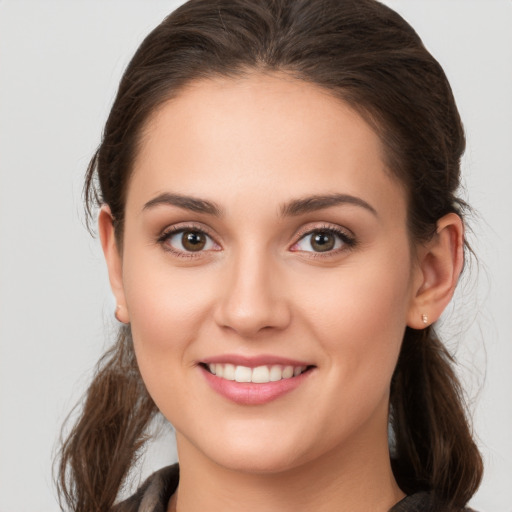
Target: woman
x=276, y=185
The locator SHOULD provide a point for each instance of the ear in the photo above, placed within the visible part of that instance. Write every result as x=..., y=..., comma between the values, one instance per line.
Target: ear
x=114, y=261
x=440, y=263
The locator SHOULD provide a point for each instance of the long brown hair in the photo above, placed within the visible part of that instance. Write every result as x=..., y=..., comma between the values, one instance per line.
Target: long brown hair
x=367, y=55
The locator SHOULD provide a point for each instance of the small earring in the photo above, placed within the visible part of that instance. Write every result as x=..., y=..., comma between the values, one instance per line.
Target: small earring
x=424, y=318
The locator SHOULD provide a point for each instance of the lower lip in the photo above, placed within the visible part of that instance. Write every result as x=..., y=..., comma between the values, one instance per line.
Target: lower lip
x=248, y=393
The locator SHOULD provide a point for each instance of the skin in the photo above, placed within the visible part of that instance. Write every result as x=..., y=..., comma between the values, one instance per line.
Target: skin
x=250, y=145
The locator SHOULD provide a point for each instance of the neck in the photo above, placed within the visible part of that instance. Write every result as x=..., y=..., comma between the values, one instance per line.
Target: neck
x=357, y=478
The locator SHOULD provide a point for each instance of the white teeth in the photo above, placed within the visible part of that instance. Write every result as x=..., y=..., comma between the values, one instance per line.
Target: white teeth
x=229, y=372
x=243, y=374
x=287, y=372
x=276, y=373
x=258, y=375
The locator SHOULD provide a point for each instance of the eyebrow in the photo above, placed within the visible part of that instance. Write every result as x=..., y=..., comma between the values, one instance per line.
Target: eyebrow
x=293, y=208
x=319, y=202
x=185, y=202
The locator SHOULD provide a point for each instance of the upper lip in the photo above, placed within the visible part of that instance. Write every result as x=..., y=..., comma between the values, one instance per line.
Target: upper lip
x=254, y=361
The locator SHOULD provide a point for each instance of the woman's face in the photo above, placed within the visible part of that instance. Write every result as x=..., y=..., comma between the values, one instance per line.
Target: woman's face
x=265, y=237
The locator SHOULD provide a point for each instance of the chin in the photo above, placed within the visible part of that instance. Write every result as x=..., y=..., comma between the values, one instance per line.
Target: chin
x=257, y=463
x=249, y=454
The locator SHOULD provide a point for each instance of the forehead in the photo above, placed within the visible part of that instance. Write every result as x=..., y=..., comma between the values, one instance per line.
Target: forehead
x=274, y=135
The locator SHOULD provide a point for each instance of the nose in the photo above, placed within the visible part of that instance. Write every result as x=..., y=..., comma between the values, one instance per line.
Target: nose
x=253, y=297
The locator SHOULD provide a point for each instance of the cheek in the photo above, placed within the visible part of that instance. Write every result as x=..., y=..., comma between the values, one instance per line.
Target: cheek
x=360, y=320
x=163, y=325
x=164, y=303
x=167, y=313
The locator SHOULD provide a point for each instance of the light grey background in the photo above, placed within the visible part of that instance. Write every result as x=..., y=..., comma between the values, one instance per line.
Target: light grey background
x=60, y=62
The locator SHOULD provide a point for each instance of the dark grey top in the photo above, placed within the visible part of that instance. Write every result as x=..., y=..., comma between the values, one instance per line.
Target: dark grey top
x=155, y=492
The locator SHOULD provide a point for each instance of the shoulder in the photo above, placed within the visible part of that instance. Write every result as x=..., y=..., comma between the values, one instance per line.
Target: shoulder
x=154, y=494
x=422, y=502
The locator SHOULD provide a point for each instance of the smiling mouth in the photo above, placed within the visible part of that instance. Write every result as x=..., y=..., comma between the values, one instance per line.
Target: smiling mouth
x=258, y=375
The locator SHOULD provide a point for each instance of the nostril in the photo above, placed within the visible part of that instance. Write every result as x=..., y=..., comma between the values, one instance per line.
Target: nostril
x=249, y=319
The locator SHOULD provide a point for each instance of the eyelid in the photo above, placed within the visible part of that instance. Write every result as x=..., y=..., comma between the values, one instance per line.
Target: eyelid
x=169, y=231
x=348, y=239
x=324, y=226
x=184, y=226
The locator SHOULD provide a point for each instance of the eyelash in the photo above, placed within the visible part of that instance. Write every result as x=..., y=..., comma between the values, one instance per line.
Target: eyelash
x=349, y=242
x=173, y=230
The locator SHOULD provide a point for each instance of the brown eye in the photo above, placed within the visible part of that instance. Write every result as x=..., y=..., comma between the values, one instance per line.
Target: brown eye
x=193, y=240
x=323, y=241
x=188, y=241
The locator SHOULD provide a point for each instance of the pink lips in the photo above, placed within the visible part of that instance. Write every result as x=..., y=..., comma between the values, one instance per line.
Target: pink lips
x=248, y=393
x=254, y=361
